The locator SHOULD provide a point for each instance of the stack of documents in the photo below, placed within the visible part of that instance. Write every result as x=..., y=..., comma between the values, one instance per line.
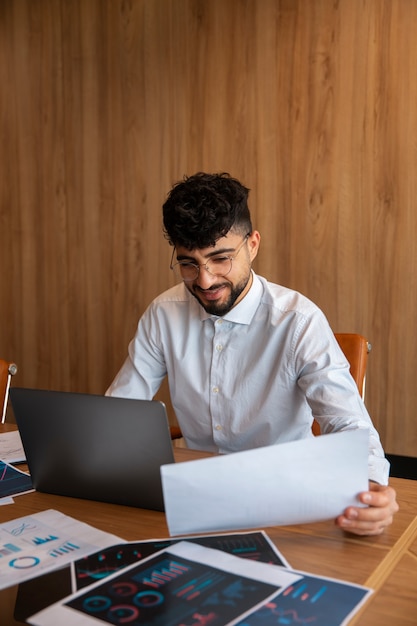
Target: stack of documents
x=213, y=580
x=200, y=580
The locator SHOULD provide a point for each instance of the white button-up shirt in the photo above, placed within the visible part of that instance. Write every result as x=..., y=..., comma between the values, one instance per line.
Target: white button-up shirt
x=255, y=377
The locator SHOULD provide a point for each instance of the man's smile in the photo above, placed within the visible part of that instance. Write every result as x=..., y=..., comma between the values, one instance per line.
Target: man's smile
x=213, y=293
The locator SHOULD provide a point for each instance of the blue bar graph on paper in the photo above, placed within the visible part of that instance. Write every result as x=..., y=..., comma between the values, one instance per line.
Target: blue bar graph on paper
x=8, y=548
x=299, y=591
x=318, y=594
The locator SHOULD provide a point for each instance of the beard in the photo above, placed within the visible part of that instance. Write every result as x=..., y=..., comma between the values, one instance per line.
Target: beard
x=220, y=308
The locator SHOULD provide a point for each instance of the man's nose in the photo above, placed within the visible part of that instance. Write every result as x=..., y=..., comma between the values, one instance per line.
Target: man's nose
x=204, y=278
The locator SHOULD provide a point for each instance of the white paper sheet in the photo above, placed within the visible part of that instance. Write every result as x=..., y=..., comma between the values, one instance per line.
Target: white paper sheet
x=36, y=544
x=292, y=483
x=4, y=501
x=11, y=448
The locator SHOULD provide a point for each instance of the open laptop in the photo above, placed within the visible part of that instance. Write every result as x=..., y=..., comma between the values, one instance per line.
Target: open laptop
x=95, y=447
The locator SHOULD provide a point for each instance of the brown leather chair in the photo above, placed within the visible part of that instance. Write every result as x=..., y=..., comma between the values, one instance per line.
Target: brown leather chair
x=356, y=349
x=7, y=370
x=175, y=432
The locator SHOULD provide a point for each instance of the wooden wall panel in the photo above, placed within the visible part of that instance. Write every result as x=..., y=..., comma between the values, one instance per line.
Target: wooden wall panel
x=105, y=103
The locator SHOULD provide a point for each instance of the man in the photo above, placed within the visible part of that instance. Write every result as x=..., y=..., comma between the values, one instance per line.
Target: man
x=249, y=363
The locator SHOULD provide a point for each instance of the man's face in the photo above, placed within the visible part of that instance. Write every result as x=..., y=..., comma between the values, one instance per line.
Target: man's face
x=218, y=294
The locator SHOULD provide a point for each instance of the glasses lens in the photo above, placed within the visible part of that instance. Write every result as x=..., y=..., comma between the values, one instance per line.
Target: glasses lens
x=216, y=265
x=187, y=271
x=219, y=266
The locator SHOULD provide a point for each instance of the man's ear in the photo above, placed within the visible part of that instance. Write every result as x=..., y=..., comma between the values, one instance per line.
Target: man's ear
x=254, y=241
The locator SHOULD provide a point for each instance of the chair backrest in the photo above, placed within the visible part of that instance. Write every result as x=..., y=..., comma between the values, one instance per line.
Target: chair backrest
x=7, y=370
x=356, y=349
x=175, y=432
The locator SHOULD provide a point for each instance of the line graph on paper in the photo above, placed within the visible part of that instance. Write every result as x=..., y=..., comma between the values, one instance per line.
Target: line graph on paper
x=13, y=481
x=312, y=601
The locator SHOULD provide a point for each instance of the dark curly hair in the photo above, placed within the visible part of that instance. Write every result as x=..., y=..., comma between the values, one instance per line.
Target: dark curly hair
x=202, y=208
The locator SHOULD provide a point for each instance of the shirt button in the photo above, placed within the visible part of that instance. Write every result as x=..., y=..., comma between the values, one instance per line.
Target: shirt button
x=219, y=347
x=219, y=322
x=218, y=427
x=215, y=390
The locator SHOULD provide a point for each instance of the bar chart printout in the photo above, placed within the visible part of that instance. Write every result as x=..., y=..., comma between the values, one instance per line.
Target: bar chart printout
x=33, y=545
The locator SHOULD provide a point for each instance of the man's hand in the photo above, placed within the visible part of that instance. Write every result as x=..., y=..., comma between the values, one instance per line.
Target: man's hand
x=375, y=517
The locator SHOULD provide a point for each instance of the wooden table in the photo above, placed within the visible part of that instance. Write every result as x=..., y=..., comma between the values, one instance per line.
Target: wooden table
x=387, y=563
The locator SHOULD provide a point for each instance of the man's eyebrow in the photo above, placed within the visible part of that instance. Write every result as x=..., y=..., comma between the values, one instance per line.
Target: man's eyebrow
x=186, y=257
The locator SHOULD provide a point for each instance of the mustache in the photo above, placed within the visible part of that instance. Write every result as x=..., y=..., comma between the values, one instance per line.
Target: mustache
x=212, y=288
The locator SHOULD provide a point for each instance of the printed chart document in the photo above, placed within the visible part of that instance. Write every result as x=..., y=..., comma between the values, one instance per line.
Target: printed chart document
x=185, y=584
x=87, y=570
x=11, y=448
x=13, y=482
x=309, y=599
x=292, y=483
x=312, y=600
x=33, y=545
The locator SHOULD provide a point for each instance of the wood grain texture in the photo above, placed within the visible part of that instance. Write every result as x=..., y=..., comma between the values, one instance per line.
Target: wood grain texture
x=105, y=103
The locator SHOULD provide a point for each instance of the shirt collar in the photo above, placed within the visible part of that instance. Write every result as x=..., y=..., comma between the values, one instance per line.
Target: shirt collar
x=244, y=311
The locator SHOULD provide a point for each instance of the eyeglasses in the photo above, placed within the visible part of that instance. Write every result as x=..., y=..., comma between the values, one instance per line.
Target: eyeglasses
x=220, y=265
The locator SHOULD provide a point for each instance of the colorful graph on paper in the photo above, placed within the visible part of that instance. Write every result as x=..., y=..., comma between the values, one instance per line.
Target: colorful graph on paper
x=13, y=481
x=35, y=544
x=311, y=601
x=95, y=567
x=168, y=589
x=253, y=545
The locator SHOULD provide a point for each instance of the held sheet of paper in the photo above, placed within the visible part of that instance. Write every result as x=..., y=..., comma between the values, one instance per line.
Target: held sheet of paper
x=299, y=482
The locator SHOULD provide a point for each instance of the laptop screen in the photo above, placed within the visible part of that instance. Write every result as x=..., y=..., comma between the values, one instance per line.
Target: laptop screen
x=95, y=447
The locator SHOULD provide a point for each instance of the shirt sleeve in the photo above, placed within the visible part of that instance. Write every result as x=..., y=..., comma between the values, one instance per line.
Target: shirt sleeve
x=323, y=374
x=144, y=369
